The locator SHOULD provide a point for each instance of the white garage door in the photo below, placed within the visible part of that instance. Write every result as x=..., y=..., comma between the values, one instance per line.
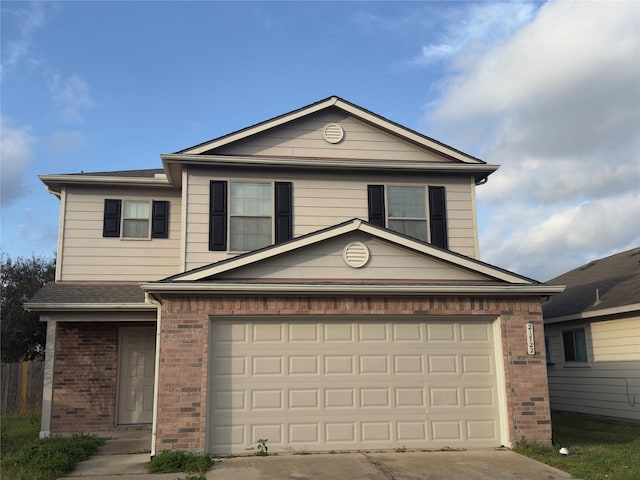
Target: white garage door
x=345, y=385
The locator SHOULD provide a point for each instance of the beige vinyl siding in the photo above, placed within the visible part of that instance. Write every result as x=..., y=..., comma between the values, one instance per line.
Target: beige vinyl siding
x=609, y=384
x=321, y=200
x=325, y=261
x=304, y=138
x=86, y=255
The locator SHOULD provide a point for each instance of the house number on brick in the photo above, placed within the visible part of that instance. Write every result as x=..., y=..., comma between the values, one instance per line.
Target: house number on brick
x=531, y=346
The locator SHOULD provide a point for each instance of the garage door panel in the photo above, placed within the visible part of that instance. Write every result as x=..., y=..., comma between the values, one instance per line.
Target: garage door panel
x=304, y=333
x=351, y=385
x=407, y=332
x=304, y=433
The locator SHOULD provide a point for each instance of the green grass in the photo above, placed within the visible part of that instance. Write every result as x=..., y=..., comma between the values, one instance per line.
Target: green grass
x=24, y=457
x=598, y=449
x=169, y=461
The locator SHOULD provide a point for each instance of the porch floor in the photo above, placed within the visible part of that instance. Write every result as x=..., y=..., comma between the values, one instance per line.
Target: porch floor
x=120, y=442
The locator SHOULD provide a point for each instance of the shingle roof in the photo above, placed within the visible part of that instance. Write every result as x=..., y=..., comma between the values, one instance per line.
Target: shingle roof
x=616, y=279
x=83, y=294
x=146, y=173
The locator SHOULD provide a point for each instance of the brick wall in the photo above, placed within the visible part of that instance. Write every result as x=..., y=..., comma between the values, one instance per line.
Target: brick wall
x=85, y=376
x=184, y=353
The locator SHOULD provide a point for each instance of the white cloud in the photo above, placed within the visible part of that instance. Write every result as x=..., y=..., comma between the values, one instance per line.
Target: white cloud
x=545, y=241
x=16, y=154
x=475, y=26
x=29, y=19
x=557, y=104
x=72, y=95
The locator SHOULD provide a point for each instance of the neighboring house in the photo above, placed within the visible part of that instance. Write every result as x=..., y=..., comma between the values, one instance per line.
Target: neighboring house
x=593, y=338
x=312, y=280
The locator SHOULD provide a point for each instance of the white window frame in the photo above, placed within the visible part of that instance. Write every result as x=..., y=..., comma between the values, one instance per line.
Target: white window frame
x=125, y=218
x=425, y=195
x=231, y=215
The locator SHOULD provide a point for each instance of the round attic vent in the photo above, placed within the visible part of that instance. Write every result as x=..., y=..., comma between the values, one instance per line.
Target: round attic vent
x=356, y=254
x=333, y=133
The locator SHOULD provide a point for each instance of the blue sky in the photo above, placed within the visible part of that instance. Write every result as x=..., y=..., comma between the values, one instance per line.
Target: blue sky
x=550, y=91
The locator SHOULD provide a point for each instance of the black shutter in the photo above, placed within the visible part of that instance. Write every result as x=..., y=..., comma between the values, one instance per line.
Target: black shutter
x=438, y=217
x=218, y=215
x=284, y=212
x=160, y=219
x=375, y=195
x=111, y=222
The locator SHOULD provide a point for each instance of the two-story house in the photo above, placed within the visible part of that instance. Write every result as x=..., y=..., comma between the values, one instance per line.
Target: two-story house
x=312, y=280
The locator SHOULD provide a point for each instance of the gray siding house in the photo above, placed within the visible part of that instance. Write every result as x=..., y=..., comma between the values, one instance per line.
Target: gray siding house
x=593, y=338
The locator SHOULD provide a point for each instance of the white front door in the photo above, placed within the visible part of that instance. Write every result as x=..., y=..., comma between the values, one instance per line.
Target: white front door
x=137, y=372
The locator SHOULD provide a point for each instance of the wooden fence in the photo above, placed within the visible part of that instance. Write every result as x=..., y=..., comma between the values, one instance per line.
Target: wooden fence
x=21, y=386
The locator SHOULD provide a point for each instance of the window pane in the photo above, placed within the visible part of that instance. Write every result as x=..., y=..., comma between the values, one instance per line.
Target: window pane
x=135, y=228
x=251, y=199
x=136, y=209
x=580, y=345
x=249, y=233
x=413, y=228
x=569, y=350
x=406, y=202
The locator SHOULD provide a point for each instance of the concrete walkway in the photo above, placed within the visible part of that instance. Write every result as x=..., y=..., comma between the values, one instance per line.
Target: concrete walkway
x=123, y=458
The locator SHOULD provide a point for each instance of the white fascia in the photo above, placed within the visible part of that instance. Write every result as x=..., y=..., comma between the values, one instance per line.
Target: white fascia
x=58, y=307
x=381, y=289
x=227, y=160
x=54, y=182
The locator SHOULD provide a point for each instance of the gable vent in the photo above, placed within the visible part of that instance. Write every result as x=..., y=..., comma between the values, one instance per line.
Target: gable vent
x=333, y=133
x=356, y=254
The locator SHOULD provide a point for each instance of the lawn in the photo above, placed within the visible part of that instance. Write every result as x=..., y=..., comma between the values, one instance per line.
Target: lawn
x=24, y=457
x=598, y=449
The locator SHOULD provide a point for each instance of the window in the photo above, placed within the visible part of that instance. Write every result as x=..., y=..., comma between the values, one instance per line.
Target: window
x=250, y=216
x=135, y=219
x=245, y=216
x=407, y=212
x=574, y=343
x=404, y=210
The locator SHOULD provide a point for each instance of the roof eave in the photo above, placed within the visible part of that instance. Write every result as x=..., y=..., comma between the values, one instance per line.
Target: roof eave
x=60, y=307
x=172, y=160
x=209, y=288
x=592, y=314
x=54, y=183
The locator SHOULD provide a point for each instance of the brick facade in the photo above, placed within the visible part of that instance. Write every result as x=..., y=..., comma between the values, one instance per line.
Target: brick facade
x=182, y=400
x=85, y=376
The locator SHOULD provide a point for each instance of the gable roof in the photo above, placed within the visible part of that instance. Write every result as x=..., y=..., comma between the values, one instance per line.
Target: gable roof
x=348, y=107
x=602, y=287
x=214, y=277
x=216, y=152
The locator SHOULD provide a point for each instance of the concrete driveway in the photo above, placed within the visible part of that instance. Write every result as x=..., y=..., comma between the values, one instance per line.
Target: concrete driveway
x=451, y=465
x=466, y=465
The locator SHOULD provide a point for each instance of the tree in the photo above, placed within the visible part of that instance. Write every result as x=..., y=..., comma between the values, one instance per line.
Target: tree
x=23, y=335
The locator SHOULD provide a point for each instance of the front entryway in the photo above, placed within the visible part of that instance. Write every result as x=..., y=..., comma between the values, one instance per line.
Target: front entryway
x=137, y=373
x=322, y=384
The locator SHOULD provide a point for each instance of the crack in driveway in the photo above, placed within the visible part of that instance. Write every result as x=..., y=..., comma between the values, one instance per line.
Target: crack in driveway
x=378, y=465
